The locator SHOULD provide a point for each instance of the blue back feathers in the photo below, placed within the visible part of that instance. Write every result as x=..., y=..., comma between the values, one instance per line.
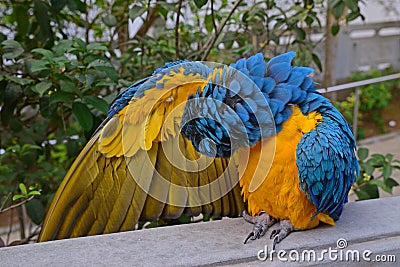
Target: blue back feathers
x=255, y=98
x=251, y=99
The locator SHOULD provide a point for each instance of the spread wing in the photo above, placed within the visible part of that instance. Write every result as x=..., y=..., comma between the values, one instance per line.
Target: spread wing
x=327, y=164
x=138, y=166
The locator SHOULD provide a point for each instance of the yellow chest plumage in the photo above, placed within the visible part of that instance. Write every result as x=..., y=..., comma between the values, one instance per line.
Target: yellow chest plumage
x=278, y=192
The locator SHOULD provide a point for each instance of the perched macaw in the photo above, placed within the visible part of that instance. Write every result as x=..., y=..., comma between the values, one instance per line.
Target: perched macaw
x=198, y=138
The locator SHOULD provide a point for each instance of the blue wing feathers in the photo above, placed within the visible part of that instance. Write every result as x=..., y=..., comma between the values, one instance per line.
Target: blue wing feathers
x=330, y=148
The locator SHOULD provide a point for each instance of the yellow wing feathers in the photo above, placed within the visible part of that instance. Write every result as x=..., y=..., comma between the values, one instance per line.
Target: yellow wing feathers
x=145, y=120
x=138, y=167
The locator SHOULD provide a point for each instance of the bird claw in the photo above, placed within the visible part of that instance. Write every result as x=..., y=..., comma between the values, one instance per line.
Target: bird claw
x=278, y=234
x=251, y=235
x=261, y=224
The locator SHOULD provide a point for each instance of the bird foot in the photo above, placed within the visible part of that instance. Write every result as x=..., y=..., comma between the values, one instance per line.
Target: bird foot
x=284, y=229
x=261, y=222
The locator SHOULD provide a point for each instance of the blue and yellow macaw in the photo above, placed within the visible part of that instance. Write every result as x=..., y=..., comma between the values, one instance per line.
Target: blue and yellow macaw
x=195, y=138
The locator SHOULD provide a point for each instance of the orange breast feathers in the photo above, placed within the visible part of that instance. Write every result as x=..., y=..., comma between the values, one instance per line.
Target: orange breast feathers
x=269, y=175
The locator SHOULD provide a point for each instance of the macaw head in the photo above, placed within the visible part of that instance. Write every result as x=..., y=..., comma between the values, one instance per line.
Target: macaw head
x=300, y=124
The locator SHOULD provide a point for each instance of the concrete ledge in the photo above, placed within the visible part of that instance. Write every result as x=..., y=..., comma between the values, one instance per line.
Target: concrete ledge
x=378, y=139
x=372, y=225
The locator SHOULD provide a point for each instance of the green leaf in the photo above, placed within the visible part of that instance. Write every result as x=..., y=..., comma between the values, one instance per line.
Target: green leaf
x=362, y=153
x=367, y=191
x=317, y=61
x=111, y=73
x=67, y=86
x=378, y=160
x=200, y=3
x=83, y=115
x=352, y=4
x=107, y=83
x=333, y=3
x=34, y=192
x=391, y=183
x=389, y=157
x=37, y=65
x=338, y=10
x=19, y=80
x=58, y=4
x=11, y=49
x=98, y=103
x=22, y=187
x=26, y=148
x=367, y=167
x=110, y=20
x=309, y=20
x=62, y=47
x=301, y=34
x=136, y=11
x=105, y=66
x=160, y=9
x=81, y=44
x=76, y=5
x=386, y=185
x=209, y=23
x=353, y=15
x=35, y=211
x=387, y=171
x=96, y=46
x=60, y=96
x=99, y=63
x=42, y=87
x=381, y=184
x=335, y=29
x=17, y=196
x=44, y=52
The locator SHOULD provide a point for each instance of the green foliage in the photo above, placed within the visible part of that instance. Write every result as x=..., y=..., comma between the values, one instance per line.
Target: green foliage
x=375, y=172
x=26, y=192
x=62, y=62
x=338, y=8
x=373, y=98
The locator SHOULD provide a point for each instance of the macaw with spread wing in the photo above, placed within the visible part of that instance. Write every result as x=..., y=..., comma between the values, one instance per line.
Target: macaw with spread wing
x=197, y=138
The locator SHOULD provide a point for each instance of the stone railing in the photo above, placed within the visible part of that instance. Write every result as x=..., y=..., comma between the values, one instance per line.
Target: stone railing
x=368, y=232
